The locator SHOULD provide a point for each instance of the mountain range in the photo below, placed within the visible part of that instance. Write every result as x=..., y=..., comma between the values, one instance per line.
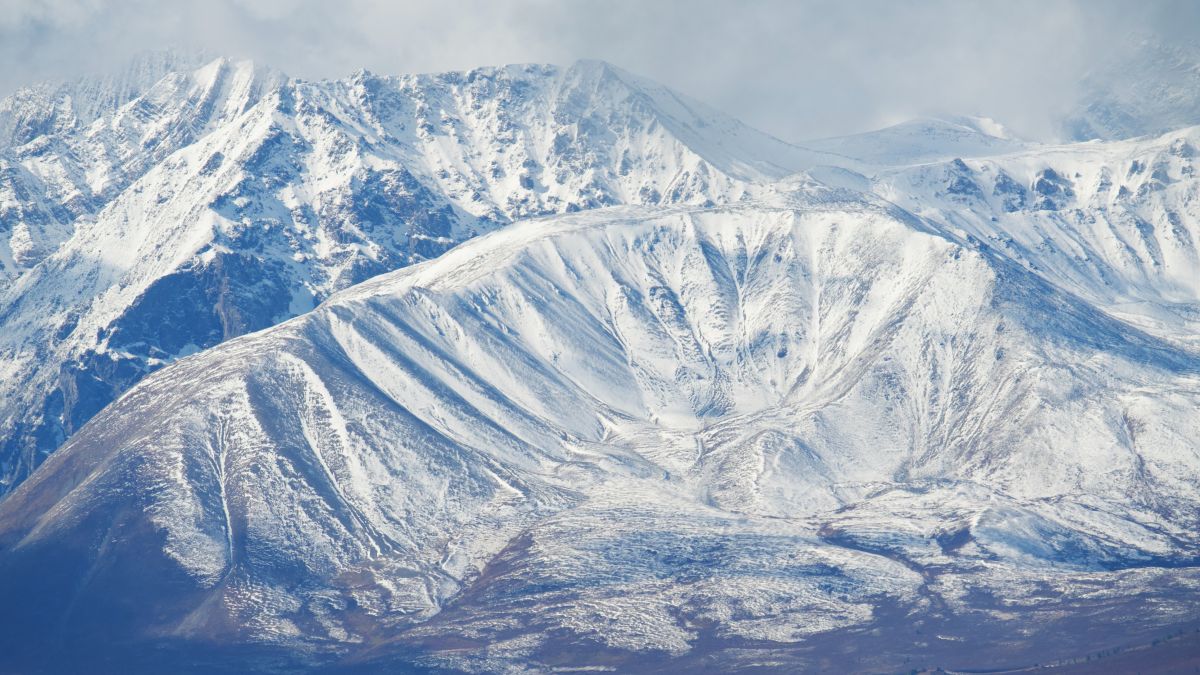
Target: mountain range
x=228, y=198
x=547, y=368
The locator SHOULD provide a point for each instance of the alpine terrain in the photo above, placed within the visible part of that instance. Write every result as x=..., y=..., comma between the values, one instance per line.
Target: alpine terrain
x=532, y=368
x=141, y=222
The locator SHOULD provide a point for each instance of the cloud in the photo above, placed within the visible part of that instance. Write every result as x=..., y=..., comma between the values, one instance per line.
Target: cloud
x=799, y=69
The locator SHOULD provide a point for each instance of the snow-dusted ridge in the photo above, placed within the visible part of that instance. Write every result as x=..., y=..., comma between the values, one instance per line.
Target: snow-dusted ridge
x=1115, y=223
x=1147, y=87
x=924, y=140
x=648, y=430
x=642, y=397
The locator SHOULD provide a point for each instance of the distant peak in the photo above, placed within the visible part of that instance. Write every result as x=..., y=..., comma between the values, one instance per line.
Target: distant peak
x=976, y=125
x=972, y=124
x=924, y=139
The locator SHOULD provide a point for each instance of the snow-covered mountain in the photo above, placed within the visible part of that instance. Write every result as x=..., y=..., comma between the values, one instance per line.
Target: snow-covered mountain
x=57, y=109
x=1117, y=224
x=637, y=436
x=922, y=140
x=1146, y=88
x=147, y=221
x=536, y=368
x=67, y=151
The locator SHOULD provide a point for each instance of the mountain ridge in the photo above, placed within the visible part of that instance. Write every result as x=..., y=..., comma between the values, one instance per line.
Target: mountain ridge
x=439, y=434
x=533, y=367
x=303, y=188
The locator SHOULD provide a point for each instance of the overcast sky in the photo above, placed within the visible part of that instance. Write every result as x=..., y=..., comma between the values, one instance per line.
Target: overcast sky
x=794, y=68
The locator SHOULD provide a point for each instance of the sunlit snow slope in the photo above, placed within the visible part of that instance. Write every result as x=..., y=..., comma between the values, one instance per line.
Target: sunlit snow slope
x=637, y=436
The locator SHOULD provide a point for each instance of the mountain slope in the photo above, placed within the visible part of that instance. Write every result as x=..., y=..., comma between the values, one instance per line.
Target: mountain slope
x=50, y=108
x=640, y=436
x=66, y=152
x=1115, y=223
x=226, y=199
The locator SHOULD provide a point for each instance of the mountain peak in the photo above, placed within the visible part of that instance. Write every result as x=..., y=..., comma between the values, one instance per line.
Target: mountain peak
x=540, y=367
x=38, y=109
x=924, y=139
x=598, y=68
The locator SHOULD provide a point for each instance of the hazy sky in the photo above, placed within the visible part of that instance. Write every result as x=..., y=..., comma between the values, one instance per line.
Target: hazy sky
x=794, y=68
